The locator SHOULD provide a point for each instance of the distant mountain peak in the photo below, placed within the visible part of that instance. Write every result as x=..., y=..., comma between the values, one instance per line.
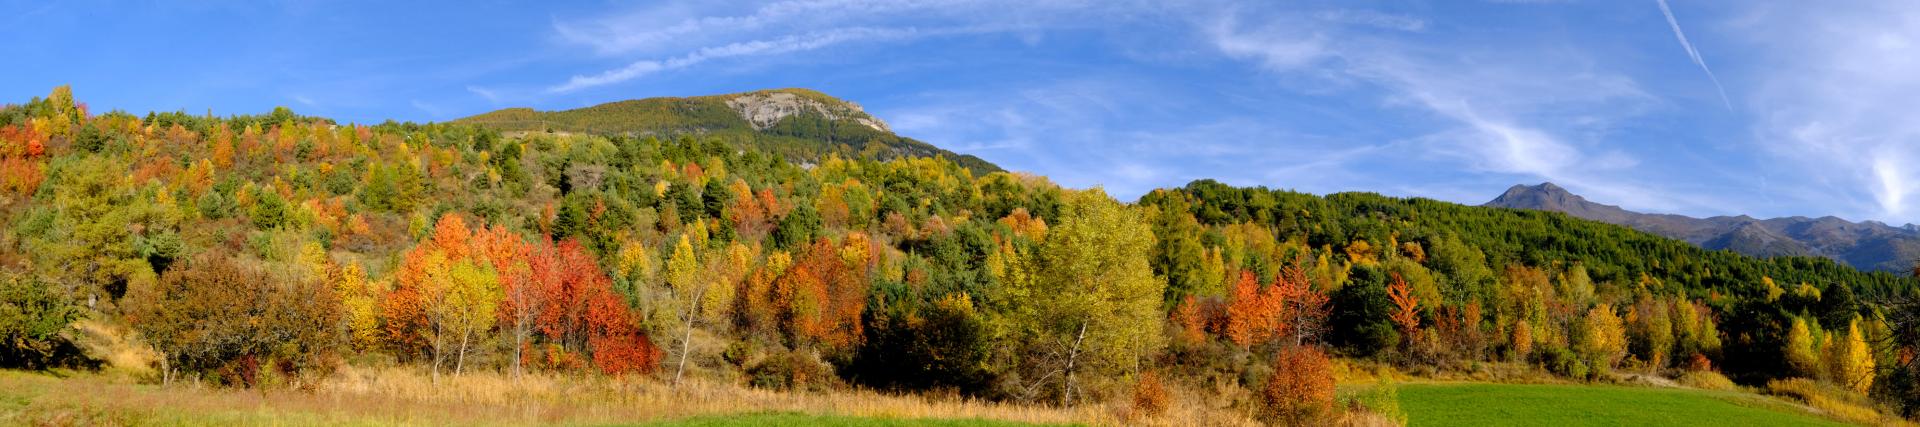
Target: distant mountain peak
x=1867, y=245
x=1549, y=197
x=1541, y=190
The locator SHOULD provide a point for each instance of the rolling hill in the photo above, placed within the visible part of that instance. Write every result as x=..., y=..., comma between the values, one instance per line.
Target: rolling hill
x=1867, y=245
x=805, y=125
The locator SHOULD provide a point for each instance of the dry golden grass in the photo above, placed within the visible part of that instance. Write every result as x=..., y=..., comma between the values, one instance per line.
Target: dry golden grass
x=113, y=345
x=1833, y=402
x=549, y=398
x=405, y=396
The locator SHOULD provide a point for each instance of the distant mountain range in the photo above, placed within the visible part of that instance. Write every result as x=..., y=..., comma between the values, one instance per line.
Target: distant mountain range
x=1867, y=245
x=805, y=125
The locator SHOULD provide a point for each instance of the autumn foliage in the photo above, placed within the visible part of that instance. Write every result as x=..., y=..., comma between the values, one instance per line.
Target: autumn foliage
x=1287, y=310
x=1150, y=396
x=22, y=158
x=824, y=292
x=1300, y=392
x=453, y=290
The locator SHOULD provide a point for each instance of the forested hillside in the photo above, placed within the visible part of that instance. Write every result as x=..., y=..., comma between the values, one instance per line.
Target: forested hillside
x=803, y=125
x=269, y=251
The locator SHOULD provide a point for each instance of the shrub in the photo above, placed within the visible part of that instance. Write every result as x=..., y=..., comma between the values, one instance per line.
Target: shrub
x=1150, y=396
x=1707, y=380
x=1300, y=391
x=192, y=317
x=36, y=324
x=1382, y=401
x=1563, y=362
x=1699, y=363
x=790, y=370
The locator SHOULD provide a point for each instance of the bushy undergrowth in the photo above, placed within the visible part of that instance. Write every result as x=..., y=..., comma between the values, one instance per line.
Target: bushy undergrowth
x=1707, y=380
x=1834, y=401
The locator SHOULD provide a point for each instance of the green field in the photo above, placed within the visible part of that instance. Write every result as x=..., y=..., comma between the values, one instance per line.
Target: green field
x=793, y=419
x=1474, y=404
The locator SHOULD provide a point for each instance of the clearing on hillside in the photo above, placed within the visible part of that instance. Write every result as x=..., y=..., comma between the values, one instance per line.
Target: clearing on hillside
x=1478, y=404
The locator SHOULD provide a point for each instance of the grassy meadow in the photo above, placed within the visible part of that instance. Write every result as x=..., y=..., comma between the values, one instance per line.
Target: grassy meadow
x=1479, y=404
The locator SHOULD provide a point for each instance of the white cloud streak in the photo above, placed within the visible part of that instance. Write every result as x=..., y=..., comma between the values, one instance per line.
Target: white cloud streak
x=1694, y=53
x=782, y=45
x=684, y=37
x=670, y=26
x=1374, y=19
x=489, y=94
x=1511, y=114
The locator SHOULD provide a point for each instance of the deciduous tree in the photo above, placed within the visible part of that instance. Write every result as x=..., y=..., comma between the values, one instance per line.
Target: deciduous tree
x=1851, y=360
x=1406, y=313
x=1095, y=302
x=1604, y=342
x=1300, y=390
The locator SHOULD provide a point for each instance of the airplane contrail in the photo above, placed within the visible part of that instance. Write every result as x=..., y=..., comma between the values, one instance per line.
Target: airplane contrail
x=1692, y=53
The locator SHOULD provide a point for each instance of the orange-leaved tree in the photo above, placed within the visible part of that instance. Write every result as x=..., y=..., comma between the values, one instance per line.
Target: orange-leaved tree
x=446, y=297
x=21, y=156
x=1300, y=390
x=1304, y=309
x=1406, y=312
x=824, y=293
x=1252, y=315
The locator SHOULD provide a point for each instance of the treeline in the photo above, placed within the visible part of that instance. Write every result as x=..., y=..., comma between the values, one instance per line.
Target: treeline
x=268, y=250
x=1431, y=283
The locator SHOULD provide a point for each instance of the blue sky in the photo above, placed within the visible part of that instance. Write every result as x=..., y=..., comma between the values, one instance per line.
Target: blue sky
x=1761, y=107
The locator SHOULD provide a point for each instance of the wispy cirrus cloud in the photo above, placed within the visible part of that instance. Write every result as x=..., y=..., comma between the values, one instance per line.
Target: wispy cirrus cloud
x=490, y=95
x=1836, y=98
x=1373, y=19
x=782, y=45
x=677, y=26
x=675, y=36
x=1534, y=115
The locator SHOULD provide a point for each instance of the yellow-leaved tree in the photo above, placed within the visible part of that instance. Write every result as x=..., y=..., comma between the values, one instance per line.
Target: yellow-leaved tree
x=1092, y=304
x=1605, y=338
x=698, y=297
x=1800, y=349
x=1851, y=362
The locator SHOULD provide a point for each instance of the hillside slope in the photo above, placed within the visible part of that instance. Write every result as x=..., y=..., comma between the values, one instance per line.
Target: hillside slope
x=426, y=247
x=1867, y=245
x=804, y=125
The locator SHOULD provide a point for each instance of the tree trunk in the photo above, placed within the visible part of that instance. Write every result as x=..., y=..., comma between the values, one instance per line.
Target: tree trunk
x=460, y=358
x=686, y=338
x=1073, y=356
x=686, y=344
x=519, y=345
x=438, y=351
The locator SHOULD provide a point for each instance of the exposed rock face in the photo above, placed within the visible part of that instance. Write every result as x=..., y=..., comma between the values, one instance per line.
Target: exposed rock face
x=764, y=109
x=1867, y=245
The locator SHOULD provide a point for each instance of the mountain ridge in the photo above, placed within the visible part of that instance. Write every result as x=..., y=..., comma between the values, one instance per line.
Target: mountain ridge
x=1866, y=245
x=803, y=124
